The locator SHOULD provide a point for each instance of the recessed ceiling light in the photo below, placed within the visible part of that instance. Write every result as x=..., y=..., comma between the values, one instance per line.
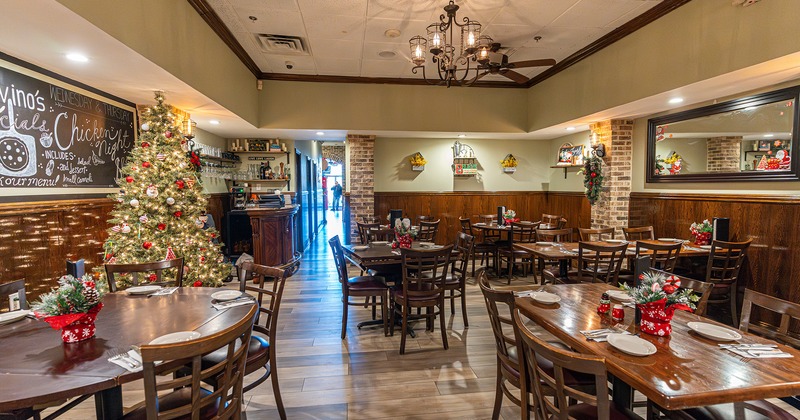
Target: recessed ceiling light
x=387, y=54
x=77, y=57
x=461, y=136
x=570, y=128
x=214, y=122
x=320, y=133
x=769, y=135
x=676, y=100
x=392, y=33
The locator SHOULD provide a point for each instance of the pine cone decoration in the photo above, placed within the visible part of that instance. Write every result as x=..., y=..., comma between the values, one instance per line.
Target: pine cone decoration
x=91, y=295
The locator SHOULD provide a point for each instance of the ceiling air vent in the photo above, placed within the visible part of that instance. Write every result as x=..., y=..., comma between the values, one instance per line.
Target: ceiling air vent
x=283, y=44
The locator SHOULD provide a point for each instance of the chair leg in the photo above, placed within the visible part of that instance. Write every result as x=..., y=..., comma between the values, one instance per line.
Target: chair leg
x=405, y=328
x=734, y=316
x=344, y=316
x=498, y=394
x=510, y=261
x=464, y=306
x=392, y=313
x=452, y=302
x=276, y=388
x=374, y=307
x=384, y=314
x=442, y=324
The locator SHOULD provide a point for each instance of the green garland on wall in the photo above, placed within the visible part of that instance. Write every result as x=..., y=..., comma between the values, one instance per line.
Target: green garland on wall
x=593, y=178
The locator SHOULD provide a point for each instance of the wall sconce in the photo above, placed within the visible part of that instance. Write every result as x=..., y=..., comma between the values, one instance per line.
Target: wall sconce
x=598, y=148
x=188, y=130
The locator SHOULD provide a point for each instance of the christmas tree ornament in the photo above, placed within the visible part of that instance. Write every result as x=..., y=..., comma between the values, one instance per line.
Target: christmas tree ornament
x=145, y=164
x=177, y=214
x=145, y=144
x=152, y=277
x=134, y=203
x=198, y=284
x=129, y=179
x=203, y=218
x=147, y=244
x=180, y=184
x=143, y=218
x=202, y=259
x=170, y=201
x=170, y=254
x=161, y=226
x=182, y=165
x=116, y=228
x=161, y=156
x=168, y=134
x=152, y=191
x=184, y=146
x=189, y=181
x=145, y=127
x=126, y=228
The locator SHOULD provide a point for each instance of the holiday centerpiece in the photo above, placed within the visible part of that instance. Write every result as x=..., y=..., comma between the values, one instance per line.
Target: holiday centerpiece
x=702, y=232
x=403, y=233
x=417, y=162
x=510, y=216
x=72, y=307
x=509, y=163
x=593, y=178
x=657, y=296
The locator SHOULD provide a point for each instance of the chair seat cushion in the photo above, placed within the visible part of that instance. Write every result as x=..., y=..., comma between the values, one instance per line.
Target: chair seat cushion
x=588, y=411
x=399, y=295
x=256, y=350
x=571, y=378
x=176, y=399
x=748, y=410
x=367, y=283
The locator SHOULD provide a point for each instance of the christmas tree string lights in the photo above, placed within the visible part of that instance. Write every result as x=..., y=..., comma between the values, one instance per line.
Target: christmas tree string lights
x=160, y=204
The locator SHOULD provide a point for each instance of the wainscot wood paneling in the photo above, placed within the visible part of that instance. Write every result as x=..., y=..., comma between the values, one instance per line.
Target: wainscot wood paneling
x=773, y=265
x=36, y=238
x=449, y=206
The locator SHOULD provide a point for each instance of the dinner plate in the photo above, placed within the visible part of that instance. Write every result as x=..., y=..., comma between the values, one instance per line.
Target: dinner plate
x=142, y=290
x=575, y=250
x=545, y=243
x=379, y=242
x=631, y=344
x=714, y=332
x=176, y=337
x=480, y=224
x=614, y=241
x=224, y=295
x=427, y=244
x=360, y=247
x=9, y=317
x=545, y=297
x=619, y=295
x=670, y=240
x=705, y=246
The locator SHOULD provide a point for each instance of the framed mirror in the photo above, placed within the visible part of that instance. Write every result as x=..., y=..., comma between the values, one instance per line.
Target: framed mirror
x=747, y=139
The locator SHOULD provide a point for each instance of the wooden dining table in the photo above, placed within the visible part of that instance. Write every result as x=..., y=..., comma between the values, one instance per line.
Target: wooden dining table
x=687, y=369
x=37, y=368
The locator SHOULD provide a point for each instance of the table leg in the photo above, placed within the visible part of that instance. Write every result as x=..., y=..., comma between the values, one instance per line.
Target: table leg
x=622, y=395
x=563, y=268
x=108, y=403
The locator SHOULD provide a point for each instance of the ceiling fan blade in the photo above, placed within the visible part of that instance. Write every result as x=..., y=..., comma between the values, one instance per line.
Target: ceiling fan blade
x=511, y=74
x=532, y=63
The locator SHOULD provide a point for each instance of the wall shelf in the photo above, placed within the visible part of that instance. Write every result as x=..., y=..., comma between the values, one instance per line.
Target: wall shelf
x=263, y=180
x=565, y=168
x=219, y=159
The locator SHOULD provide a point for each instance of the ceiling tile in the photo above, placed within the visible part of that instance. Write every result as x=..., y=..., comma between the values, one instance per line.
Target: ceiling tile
x=278, y=22
x=536, y=53
x=334, y=27
x=302, y=64
x=595, y=13
x=533, y=12
x=376, y=28
x=426, y=10
x=338, y=66
x=371, y=50
x=643, y=7
x=336, y=48
x=561, y=37
x=270, y=5
x=511, y=35
x=334, y=7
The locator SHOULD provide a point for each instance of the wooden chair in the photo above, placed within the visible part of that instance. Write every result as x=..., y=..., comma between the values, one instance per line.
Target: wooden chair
x=662, y=257
x=424, y=274
x=369, y=218
x=6, y=289
x=481, y=247
x=521, y=232
x=551, y=221
x=361, y=286
x=596, y=264
x=595, y=235
x=638, y=233
x=425, y=219
x=363, y=231
x=155, y=268
x=187, y=399
x=456, y=280
x=724, y=263
x=553, y=235
x=427, y=231
x=489, y=219
x=699, y=287
x=551, y=386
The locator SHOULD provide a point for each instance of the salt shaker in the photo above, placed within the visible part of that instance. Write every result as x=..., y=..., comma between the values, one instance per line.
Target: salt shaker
x=618, y=313
x=605, y=304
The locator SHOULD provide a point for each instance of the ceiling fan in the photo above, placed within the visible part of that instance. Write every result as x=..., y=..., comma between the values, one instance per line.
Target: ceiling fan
x=492, y=61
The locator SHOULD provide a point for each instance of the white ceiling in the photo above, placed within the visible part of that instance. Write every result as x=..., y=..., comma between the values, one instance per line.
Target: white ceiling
x=345, y=36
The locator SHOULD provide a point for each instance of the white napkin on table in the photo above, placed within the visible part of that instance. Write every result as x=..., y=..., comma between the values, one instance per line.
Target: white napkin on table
x=123, y=362
x=164, y=291
x=245, y=300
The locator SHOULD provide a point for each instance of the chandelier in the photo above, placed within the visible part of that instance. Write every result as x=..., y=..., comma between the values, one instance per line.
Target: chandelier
x=456, y=64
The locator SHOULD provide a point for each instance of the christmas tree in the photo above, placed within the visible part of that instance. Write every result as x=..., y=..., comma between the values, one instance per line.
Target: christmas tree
x=160, y=208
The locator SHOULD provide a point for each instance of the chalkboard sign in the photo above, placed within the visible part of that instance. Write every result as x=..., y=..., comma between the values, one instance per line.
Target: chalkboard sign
x=54, y=135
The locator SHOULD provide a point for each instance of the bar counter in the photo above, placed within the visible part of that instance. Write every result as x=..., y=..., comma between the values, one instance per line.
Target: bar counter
x=273, y=233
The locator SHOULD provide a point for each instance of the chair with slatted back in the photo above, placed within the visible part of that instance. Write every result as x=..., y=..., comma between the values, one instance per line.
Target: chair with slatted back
x=427, y=231
x=363, y=231
x=663, y=256
x=481, y=247
x=638, y=233
x=156, y=270
x=551, y=235
x=425, y=219
x=7, y=289
x=596, y=235
x=369, y=218
x=551, y=221
x=456, y=280
x=724, y=264
x=596, y=264
x=424, y=276
x=489, y=219
x=521, y=232
x=186, y=398
x=552, y=388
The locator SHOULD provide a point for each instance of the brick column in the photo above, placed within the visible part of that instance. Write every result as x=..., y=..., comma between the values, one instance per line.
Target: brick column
x=612, y=208
x=362, y=179
x=724, y=154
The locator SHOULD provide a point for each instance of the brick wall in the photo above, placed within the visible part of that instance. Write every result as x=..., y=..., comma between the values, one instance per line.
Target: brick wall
x=612, y=208
x=362, y=179
x=724, y=154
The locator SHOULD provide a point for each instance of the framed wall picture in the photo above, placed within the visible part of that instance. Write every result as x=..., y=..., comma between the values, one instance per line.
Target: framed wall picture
x=569, y=154
x=577, y=155
x=764, y=145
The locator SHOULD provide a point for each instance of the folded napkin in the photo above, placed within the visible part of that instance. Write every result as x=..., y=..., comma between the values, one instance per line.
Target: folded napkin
x=601, y=335
x=396, y=252
x=130, y=361
x=164, y=291
x=245, y=300
x=756, y=351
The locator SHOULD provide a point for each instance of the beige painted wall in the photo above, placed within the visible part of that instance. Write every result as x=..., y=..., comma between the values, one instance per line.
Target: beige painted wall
x=373, y=107
x=211, y=185
x=393, y=172
x=697, y=41
x=573, y=180
x=173, y=35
